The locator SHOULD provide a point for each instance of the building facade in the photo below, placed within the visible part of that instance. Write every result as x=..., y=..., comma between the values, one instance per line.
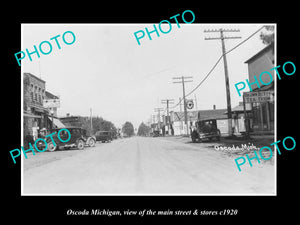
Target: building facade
x=262, y=114
x=179, y=125
x=34, y=114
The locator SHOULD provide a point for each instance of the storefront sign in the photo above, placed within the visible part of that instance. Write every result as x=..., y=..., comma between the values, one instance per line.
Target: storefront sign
x=51, y=103
x=259, y=96
x=189, y=104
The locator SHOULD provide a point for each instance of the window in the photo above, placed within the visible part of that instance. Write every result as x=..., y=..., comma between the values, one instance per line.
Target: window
x=35, y=97
x=31, y=96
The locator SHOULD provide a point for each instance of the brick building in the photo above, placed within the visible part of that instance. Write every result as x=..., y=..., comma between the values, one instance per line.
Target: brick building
x=34, y=114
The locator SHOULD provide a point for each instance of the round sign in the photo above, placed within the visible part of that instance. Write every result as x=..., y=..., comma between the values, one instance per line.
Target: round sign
x=190, y=104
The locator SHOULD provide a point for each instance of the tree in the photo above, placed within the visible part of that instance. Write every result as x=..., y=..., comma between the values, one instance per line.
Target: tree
x=128, y=129
x=143, y=130
x=267, y=36
x=99, y=124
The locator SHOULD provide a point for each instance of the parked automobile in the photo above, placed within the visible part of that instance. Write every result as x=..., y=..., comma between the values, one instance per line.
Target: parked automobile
x=90, y=140
x=205, y=129
x=155, y=133
x=78, y=139
x=104, y=136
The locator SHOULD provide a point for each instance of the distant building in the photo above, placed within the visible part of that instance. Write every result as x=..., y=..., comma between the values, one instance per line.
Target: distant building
x=238, y=117
x=262, y=113
x=76, y=121
x=179, y=126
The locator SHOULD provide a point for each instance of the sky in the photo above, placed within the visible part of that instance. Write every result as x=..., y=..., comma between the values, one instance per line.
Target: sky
x=107, y=71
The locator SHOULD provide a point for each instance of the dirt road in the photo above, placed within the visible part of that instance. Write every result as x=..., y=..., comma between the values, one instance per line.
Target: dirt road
x=143, y=165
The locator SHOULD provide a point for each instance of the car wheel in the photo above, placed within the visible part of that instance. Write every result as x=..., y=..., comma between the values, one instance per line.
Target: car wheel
x=80, y=144
x=51, y=147
x=92, y=142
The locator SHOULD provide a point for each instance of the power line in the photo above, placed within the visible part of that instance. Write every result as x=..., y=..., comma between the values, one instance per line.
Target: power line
x=183, y=80
x=222, y=38
x=167, y=101
x=214, y=66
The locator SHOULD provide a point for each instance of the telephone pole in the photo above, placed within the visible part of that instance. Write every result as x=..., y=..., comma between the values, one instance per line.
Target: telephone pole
x=183, y=80
x=158, y=110
x=168, y=101
x=91, y=121
x=225, y=69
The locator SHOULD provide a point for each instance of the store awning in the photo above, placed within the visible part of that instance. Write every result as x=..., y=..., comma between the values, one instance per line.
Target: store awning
x=31, y=115
x=57, y=122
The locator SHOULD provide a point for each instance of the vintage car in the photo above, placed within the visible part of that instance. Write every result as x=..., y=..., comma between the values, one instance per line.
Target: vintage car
x=155, y=133
x=78, y=139
x=90, y=140
x=205, y=129
x=104, y=136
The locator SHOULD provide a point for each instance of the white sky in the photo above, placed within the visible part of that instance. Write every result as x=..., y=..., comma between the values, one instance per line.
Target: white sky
x=106, y=70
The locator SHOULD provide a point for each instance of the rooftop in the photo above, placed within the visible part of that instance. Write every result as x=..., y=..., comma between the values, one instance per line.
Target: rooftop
x=33, y=76
x=267, y=48
x=204, y=114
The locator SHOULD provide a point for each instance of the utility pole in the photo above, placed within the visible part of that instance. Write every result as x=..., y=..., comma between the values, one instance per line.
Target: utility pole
x=225, y=70
x=91, y=121
x=168, y=101
x=182, y=78
x=158, y=110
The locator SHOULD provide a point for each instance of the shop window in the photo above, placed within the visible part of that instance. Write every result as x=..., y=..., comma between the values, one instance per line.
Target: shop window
x=256, y=113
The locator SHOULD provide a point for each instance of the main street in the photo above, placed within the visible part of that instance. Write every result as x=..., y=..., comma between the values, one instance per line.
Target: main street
x=143, y=165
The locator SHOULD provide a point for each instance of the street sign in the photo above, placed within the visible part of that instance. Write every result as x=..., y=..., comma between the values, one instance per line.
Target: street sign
x=259, y=96
x=189, y=104
x=51, y=103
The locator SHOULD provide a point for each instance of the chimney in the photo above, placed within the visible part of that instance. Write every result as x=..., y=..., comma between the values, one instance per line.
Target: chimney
x=214, y=107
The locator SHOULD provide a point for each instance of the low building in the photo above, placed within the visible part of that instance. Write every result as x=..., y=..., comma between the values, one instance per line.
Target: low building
x=73, y=121
x=238, y=117
x=262, y=112
x=179, y=125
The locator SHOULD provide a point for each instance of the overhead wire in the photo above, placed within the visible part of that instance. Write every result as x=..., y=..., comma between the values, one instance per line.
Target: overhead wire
x=217, y=62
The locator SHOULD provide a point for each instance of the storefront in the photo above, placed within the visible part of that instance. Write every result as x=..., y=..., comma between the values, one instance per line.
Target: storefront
x=261, y=98
x=262, y=116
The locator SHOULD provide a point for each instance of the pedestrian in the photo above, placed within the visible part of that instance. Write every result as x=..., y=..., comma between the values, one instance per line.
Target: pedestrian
x=28, y=139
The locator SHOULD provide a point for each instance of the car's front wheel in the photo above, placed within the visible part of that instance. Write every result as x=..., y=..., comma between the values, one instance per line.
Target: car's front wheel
x=80, y=144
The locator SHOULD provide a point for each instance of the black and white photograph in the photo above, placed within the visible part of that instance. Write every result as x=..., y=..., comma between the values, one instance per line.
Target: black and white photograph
x=148, y=109
x=131, y=114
